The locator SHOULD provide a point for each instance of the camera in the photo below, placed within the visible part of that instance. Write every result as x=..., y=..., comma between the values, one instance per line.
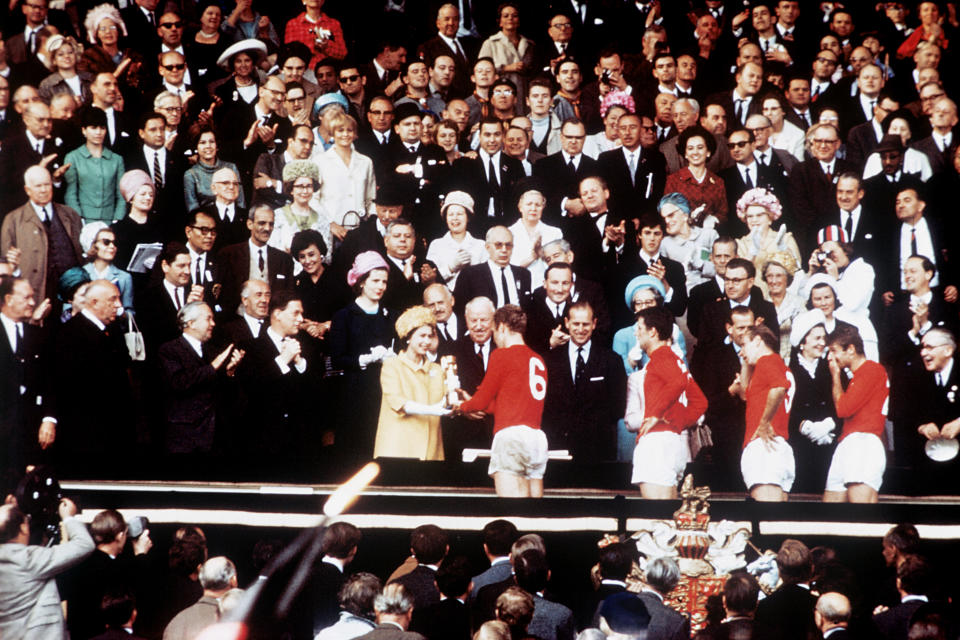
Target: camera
x=605, y=77
x=136, y=526
x=821, y=256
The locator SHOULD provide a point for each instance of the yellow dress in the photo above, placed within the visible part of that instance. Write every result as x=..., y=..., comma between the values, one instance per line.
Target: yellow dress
x=400, y=435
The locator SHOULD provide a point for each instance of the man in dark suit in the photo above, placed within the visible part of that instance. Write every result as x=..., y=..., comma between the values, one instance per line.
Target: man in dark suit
x=780, y=161
x=32, y=146
x=864, y=229
x=498, y=536
x=917, y=234
x=586, y=391
x=788, y=611
x=405, y=274
x=723, y=250
x=272, y=377
x=88, y=343
x=246, y=131
x=741, y=101
x=374, y=141
x=862, y=139
x=609, y=74
x=490, y=178
x=941, y=143
x=746, y=174
x=142, y=20
x=268, y=172
x=416, y=166
x=582, y=289
x=241, y=331
x=547, y=308
x=662, y=576
x=880, y=191
x=472, y=353
x=914, y=582
x=832, y=615
x=601, y=237
x=495, y=279
x=231, y=218
x=859, y=108
x=448, y=619
x=738, y=282
x=339, y=547
x=253, y=260
x=165, y=169
x=561, y=173
x=191, y=382
x=812, y=182
x=446, y=43
x=24, y=381
x=438, y=298
x=636, y=176
x=429, y=545
x=648, y=259
x=157, y=308
x=104, y=94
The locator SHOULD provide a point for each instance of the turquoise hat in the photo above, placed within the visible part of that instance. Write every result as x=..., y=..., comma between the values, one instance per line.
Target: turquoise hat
x=642, y=282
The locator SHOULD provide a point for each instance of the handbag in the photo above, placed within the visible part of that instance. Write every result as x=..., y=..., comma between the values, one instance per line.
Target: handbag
x=700, y=437
x=134, y=340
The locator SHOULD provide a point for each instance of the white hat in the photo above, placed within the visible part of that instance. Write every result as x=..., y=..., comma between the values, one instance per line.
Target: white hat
x=252, y=46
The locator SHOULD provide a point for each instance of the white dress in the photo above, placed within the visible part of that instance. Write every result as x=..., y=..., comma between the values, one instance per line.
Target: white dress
x=523, y=245
x=443, y=251
x=345, y=187
x=791, y=139
x=597, y=143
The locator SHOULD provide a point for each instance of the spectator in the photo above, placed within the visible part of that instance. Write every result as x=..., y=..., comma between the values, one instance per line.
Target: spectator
x=93, y=179
x=357, y=614
x=217, y=577
x=394, y=609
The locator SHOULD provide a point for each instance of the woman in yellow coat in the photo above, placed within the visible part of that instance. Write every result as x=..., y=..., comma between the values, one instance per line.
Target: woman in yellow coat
x=412, y=401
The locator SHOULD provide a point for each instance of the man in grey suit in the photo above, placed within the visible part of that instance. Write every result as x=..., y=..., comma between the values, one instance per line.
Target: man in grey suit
x=498, y=537
x=29, y=600
x=663, y=574
x=394, y=609
x=551, y=620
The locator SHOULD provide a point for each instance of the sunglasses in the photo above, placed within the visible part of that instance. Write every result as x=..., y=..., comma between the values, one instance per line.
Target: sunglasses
x=107, y=242
x=738, y=145
x=352, y=78
x=171, y=25
x=174, y=67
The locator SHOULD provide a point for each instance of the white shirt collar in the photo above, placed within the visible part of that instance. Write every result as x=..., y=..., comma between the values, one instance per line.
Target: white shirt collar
x=94, y=319
x=196, y=344
x=253, y=323
x=337, y=562
x=42, y=211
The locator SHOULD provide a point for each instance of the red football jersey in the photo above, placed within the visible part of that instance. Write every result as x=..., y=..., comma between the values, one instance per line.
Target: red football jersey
x=769, y=373
x=863, y=406
x=513, y=388
x=670, y=393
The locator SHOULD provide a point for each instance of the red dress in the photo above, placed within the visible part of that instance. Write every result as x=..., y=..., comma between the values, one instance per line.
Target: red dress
x=300, y=29
x=711, y=192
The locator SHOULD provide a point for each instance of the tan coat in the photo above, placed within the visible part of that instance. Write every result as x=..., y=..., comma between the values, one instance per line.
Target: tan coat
x=400, y=435
x=24, y=230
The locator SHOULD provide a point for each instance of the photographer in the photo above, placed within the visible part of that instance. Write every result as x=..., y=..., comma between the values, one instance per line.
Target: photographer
x=29, y=600
x=854, y=277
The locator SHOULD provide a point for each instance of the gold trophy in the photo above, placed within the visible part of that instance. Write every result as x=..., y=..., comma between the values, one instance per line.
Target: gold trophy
x=451, y=381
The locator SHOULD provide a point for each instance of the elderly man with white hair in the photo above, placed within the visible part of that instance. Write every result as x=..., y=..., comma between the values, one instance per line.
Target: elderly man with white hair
x=46, y=234
x=218, y=575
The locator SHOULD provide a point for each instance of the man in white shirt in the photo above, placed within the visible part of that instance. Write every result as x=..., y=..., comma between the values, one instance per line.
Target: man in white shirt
x=832, y=615
x=437, y=298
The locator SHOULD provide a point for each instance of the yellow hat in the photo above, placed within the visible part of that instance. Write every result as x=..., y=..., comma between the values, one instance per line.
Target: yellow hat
x=414, y=318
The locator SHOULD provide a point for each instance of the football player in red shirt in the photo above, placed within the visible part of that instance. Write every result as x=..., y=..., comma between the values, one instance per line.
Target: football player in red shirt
x=856, y=471
x=513, y=390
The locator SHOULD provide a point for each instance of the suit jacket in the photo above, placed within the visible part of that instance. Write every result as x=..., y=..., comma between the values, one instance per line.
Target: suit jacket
x=471, y=176
x=27, y=583
x=880, y=196
x=641, y=195
x=560, y=182
x=477, y=280
x=191, y=385
x=585, y=290
x=551, y=620
x=496, y=573
x=449, y=619
x=894, y=623
x=586, y=241
x=271, y=165
x=939, y=160
x=541, y=321
x=870, y=239
x=583, y=417
x=140, y=32
x=369, y=145
x=725, y=99
x=861, y=142
x=435, y=46
x=634, y=265
x=168, y=205
x=21, y=413
x=233, y=129
x=762, y=176
x=157, y=316
x=421, y=584
x=228, y=231
x=665, y=623
x=715, y=314
x=16, y=156
x=401, y=293
x=390, y=632
x=788, y=611
x=460, y=432
x=234, y=262
x=812, y=194
x=23, y=229
x=323, y=590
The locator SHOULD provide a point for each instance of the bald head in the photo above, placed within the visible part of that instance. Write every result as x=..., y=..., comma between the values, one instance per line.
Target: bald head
x=832, y=610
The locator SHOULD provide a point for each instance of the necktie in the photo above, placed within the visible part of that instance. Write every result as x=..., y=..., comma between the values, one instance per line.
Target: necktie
x=494, y=186
x=504, y=286
x=18, y=341
x=913, y=241
x=873, y=105
x=766, y=45
x=443, y=331
x=178, y=297
x=33, y=42
x=661, y=133
x=198, y=273
x=581, y=367
x=412, y=149
x=570, y=166
x=816, y=93
x=633, y=168
x=805, y=117
x=747, y=180
x=563, y=47
x=47, y=217
x=151, y=19
x=829, y=174
x=848, y=227
x=738, y=109
x=260, y=328
x=261, y=263
x=157, y=171
x=480, y=356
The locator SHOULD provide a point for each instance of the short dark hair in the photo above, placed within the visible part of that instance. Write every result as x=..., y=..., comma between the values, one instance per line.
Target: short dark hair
x=499, y=536
x=766, y=336
x=106, y=526
x=740, y=593
x=116, y=608
x=846, y=335
x=340, y=538
x=915, y=574
x=358, y=593
x=557, y=265
x=794, y=562
x=429, y=543
x=738, y=310
x=453, y=576
x=196, y=213
x=904, y=537
x=511, y=316
x=650, y=220
x=658, y=318
x=532, y=570
x=540, y=82
x=616, y=561
x=172, y=250
x=304, y=239
x=10, y=528
x=6, y=286
x=743, y=263
x=279, y=300
x=147, y=116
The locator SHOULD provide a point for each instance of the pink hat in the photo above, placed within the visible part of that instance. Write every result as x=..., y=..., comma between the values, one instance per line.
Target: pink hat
x=363, y=264
x=131, y=182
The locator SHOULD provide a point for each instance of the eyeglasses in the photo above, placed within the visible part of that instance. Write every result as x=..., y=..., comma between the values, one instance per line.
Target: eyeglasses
x=302, y=186
x=174, y=67
x=352, y=78
x=824, y=142
x=171, y=109
x=503, y=92
x=739, y=144
x=108, y=242
x=380, y=113
x=229, y=183
x=755, y=130
x=735, y=280
x=34, y=6
x=648, y=127
x=933, y=97
x=204, y=231
x=562, y=25
x=108, y=28
x=171, y=25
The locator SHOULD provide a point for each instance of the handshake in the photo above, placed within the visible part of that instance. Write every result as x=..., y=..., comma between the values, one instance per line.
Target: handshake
x=819, y=432
x=378, y=353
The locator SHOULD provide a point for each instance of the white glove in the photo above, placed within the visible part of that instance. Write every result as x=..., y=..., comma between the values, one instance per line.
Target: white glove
x=380, y=353
x=365, y=360
x=819, y=432
x=635, y=355
x=412, y=408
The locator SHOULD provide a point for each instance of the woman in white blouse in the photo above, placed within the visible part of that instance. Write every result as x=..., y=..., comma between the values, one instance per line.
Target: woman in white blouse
x=512, y=53
x=530, y=234
x=785, y=135
x=456, y=249
x=347, y=177
x=301, y=180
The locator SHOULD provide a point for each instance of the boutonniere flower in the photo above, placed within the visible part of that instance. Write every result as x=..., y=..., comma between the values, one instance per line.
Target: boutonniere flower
x=952, y=394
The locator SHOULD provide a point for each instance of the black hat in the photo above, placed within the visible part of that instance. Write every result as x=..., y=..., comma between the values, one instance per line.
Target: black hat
x=890, y=142
x=391, y=194
x=405, y=110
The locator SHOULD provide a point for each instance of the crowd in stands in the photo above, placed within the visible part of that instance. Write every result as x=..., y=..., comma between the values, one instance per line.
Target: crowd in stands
x=254, y=230
x=115, y=584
